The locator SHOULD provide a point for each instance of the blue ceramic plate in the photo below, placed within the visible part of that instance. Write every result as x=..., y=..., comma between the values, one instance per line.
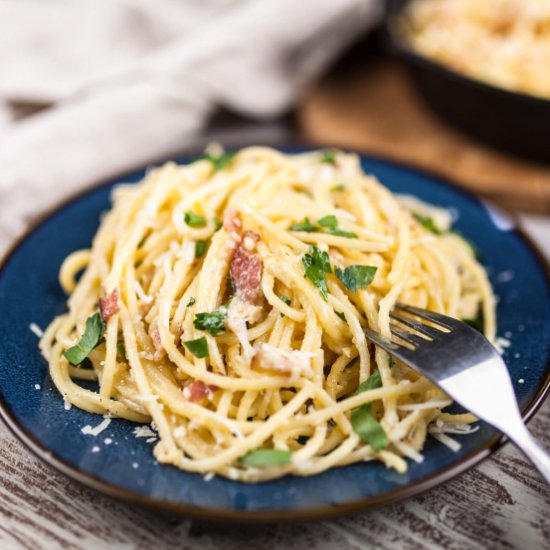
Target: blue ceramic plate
x=32, y=408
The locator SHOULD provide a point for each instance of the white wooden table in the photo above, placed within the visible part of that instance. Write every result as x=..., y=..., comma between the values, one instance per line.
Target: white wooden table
x=502, y=503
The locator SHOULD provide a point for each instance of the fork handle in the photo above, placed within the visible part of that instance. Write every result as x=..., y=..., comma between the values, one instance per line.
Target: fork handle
x=533, y=451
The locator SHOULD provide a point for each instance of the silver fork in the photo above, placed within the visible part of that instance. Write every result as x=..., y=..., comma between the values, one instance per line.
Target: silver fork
x=464, y=364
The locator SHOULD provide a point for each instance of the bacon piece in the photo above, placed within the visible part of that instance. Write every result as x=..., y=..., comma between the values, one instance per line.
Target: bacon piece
x=232, y=221
x=109, y=305
x=198, y=390
x=246, y=273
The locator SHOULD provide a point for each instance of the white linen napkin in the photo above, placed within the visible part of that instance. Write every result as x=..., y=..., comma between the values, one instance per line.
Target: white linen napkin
x=123, y=82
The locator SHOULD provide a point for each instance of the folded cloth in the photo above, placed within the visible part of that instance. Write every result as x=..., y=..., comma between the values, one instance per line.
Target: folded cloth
x=118, y=83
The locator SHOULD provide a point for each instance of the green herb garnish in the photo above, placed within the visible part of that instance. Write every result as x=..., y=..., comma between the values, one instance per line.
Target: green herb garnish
x=338, y=187
x=230, y=284
x=330, y=226
x=356, y=276
x=373, y=382
x=328, y=221
x=200, y=248
x=191, y=302
x=329, y=157
x=284, y=299
x=362, y=420
x=341, y=314
x=341, y=233
x=217, y=224
x=262, y=458
x=306, y=225
x=88, y=341
x=198, y=347
x=220, y=161
x=194, y=220
x=428, y=223
x=121, y=348
x=316, y=265
x=212, y=321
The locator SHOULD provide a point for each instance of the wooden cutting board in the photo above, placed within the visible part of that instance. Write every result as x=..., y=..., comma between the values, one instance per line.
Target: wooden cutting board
x=374, y=107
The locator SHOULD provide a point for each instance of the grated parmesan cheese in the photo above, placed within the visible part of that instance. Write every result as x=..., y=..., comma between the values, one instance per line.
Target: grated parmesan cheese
x=144, y=431
x=501, y=344
x=36, y=330
x=88, y=430
x=506, y=276
x=295, y=363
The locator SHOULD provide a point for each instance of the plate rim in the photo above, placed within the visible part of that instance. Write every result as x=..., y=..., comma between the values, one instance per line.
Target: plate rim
x=269, y=516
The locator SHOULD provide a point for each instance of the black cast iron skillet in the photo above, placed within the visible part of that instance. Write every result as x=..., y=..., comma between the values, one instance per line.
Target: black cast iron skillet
x=513, y=122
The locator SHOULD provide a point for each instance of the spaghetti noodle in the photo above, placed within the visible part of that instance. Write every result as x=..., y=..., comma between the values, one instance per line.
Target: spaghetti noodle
x=225, y=301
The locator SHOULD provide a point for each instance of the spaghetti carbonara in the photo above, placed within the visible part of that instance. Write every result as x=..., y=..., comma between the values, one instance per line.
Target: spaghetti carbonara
x=224, y=302
x=502, y=42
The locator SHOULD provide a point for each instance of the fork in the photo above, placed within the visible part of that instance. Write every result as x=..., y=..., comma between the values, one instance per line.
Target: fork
x=464, y=364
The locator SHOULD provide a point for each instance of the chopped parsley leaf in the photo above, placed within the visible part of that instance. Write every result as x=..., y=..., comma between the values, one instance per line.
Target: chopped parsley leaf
x=362, y=420
x=212, y=321
x=121, y=348
x=329, y=157
x=200, y=248
x=427, y=222
x=221, y=160
x=316, y=265
x=341, y=314
x=338, y=187
x=191, y=302
x=341, y=233
x=230, y=284
x=217, y=224
x=356, y=276
x=328, y=221
x=88, y=341
x=266, y=457
x=306, y=226
x=371, y=383
x=194, y=220
x=284, y=299
x=198, y=347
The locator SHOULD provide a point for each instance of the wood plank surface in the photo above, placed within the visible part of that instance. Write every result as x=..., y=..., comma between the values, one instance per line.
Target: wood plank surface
x=372, y=105
x=502, y=503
